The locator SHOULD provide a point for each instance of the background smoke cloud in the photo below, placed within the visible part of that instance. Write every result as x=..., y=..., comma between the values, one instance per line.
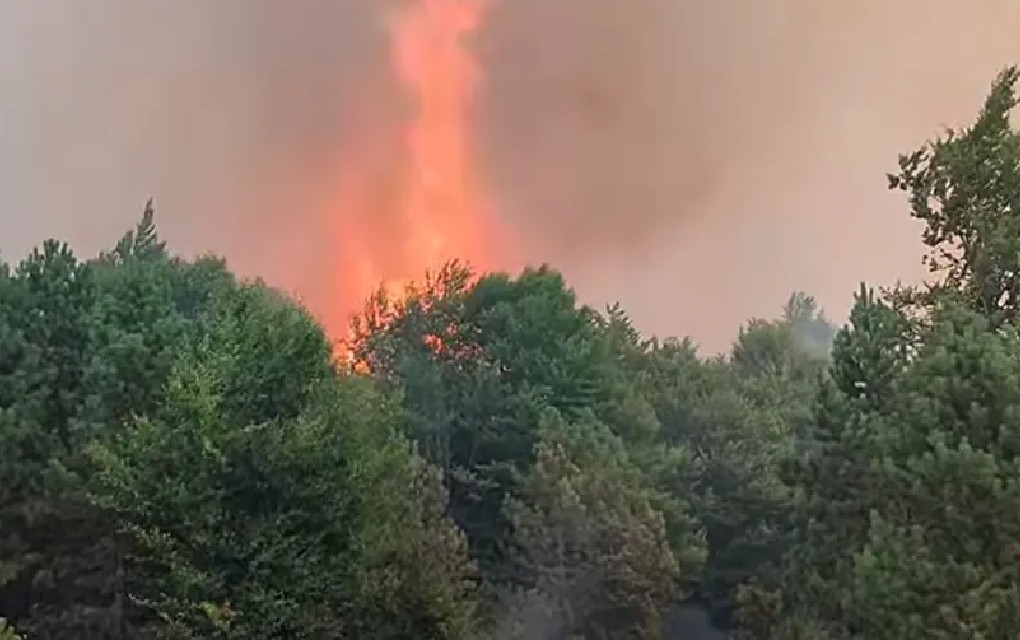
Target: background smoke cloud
x=696, y=160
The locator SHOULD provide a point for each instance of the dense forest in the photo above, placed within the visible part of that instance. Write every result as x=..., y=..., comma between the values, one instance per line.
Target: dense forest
x=187, y=455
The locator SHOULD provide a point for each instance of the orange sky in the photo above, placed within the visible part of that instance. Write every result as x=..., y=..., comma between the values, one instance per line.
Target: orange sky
x=695, y=160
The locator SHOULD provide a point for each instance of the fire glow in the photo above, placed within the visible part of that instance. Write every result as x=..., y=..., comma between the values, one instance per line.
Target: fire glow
x=424, y=203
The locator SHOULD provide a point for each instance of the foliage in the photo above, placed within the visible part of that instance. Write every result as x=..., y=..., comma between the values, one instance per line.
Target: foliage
x=965, y=189
x=183, y=456
x=477, y=362
x=907, y=486
x=589, y=540
x=181, y=459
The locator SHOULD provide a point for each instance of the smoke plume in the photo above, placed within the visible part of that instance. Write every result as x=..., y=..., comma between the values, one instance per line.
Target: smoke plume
x=695, y=160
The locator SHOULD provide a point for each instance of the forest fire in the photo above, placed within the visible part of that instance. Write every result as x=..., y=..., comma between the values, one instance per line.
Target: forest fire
x=425, y=203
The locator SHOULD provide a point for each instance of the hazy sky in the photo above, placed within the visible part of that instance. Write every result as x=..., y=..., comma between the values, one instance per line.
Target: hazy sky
x=696, y=160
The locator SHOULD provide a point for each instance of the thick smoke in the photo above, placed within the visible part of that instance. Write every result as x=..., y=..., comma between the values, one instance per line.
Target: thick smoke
x=697, y=160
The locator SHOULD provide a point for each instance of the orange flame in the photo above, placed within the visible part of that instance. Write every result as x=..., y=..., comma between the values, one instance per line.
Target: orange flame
x=401, y=216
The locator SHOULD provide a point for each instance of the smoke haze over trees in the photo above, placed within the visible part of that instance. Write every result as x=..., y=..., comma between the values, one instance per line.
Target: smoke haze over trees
x=184, y=454
x=643, y=147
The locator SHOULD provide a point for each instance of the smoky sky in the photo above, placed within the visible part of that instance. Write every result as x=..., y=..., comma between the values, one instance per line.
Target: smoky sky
x=697, y=161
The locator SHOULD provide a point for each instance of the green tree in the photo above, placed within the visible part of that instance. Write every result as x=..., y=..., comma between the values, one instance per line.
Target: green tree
x=738, y=416
x=181, y=459
x=832, y=470
x=590, y=544
x=477, y=361
x=907, y=488
x=299, y=516
x=85, y=346
x=965, y=189
x=58, y=556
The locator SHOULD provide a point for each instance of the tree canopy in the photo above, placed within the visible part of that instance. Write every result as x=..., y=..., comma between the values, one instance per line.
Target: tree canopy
x=184, y=454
